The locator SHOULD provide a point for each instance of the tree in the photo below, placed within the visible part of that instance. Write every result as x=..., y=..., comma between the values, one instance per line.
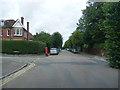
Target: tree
x=43, y=37
x=67, y=44
x=77, y=39
x=112, y=26
x=57, y=40
x=92, y=24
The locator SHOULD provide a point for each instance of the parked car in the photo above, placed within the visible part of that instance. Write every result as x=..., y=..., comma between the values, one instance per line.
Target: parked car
x=74, y=51
x=71, y=50
x=67, y=49
x=54, y=51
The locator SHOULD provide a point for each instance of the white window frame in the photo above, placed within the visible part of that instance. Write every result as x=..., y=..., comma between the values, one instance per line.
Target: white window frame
x=7, y=33
x=17, y=32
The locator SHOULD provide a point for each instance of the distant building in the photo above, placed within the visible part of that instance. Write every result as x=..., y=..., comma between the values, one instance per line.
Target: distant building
x=14, y=30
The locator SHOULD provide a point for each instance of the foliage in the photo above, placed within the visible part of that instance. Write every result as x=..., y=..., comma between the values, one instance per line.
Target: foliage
x=66, y=45
x=99, y=45
x=43, y=37
x=57, y=40
x=75, y=40
x=93, y=23
x=24, y=47
x=85, y=46
x=100, y=26
x=54, y=40
x=112, y=26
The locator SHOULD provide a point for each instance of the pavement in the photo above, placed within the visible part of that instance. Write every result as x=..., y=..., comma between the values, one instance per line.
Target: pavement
x=11, y=63
x=66, y=70
x=9, y=66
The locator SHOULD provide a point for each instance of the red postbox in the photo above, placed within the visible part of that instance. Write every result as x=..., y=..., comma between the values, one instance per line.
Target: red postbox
x=46, y=51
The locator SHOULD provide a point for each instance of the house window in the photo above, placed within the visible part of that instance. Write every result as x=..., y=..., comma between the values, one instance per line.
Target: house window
x=17, y=32
x=8, y=32
x=20, y=32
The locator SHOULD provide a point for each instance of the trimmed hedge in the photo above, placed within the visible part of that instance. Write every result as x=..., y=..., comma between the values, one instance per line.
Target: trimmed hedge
x=24, y=47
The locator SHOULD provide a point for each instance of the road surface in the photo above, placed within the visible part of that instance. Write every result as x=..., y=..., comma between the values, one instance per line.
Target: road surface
x=66, y=70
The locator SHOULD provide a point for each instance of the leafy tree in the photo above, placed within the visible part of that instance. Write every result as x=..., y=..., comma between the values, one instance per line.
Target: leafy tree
x=57, y=40
x=43, y=37
x=99, y=24
x=67, y=44
x=93, y=17
x=112, y=26
x=77, y=38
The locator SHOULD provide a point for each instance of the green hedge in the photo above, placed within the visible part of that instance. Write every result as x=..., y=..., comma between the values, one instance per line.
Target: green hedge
x=24, y=47
x=99, y=45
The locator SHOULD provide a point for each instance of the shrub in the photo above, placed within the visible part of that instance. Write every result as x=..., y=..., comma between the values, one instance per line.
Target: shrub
x=24, y=47
x=85, y=46
x=99, y=45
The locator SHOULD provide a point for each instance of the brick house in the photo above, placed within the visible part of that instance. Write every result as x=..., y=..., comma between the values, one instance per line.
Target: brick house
x=14, y=30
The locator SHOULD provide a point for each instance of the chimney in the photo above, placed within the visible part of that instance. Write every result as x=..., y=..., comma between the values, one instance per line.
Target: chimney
x=28, y=30
x=22, y=20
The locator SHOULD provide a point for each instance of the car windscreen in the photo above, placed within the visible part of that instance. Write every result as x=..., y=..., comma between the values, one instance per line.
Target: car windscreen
x=53, y=49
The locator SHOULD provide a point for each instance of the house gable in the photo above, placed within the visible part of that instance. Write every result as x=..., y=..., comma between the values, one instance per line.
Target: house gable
x=18, y=24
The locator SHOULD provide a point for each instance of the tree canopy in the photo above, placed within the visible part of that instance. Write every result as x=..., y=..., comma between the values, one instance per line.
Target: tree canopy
x=57, y=40
x=54, y=40
x=100, y=23
x=43, y=37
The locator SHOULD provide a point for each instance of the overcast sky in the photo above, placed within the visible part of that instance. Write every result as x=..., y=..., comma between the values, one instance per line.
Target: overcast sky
x=45, y=15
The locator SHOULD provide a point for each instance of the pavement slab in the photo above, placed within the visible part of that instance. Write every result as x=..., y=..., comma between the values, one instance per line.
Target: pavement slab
x=9, y=66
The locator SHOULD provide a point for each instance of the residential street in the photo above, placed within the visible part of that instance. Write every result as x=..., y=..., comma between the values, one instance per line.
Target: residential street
x=66, y=70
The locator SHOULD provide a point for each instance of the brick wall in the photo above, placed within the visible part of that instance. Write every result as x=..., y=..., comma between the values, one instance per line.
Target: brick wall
x=5, y=37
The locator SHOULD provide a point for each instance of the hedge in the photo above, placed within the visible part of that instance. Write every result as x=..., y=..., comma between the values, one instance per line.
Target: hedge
x=99, y=45
x=24, y=47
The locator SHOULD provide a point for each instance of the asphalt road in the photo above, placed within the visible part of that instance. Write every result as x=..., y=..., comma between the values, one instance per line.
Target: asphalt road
x=66, y=70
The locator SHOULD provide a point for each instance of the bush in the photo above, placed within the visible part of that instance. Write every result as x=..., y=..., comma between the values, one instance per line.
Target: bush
x=24, y=47
x=113, y=53
x=99, y=45
x=85, y=46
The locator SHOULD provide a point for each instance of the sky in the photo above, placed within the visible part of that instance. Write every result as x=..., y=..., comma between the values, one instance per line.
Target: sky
x=45, y=15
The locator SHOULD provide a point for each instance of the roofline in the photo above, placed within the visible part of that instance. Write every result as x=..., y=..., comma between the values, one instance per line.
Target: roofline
x=16, y=22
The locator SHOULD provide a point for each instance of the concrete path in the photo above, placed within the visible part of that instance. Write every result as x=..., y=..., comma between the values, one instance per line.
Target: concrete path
x=10, y=63
x=9, y=66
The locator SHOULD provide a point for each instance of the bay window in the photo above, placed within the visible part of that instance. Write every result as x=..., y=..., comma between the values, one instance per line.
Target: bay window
x=17, y=32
